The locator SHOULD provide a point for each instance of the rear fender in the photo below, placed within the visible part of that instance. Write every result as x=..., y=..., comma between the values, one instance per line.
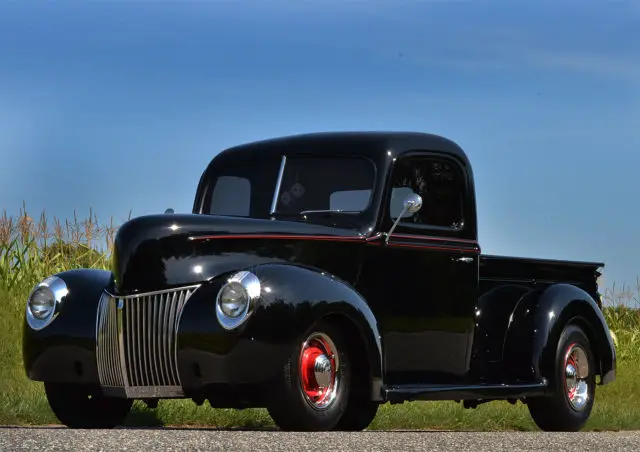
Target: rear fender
x=535, y=327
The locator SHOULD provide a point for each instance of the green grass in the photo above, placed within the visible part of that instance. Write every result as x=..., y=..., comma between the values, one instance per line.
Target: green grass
x=29, y=252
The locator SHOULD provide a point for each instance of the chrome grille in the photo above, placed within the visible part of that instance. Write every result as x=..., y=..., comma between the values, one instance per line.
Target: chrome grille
x=136, y=342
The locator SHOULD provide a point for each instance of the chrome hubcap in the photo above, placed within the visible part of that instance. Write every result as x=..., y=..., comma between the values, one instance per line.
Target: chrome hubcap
x=322, y=371
x=576, y=371
x=318, y=370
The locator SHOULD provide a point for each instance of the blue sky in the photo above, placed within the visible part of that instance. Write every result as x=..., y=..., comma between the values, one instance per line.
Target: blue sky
x=120, y=105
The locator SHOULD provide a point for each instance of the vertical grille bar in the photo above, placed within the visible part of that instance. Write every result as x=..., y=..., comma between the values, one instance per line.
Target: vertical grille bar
x=137, y=333
x=172, y=311
x=114, y=349
x=107, y=352
x=153, y=313
x=127, y=328
x=164, y=336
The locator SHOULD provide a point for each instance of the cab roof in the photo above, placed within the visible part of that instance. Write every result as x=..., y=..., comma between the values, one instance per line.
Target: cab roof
x=373, y=144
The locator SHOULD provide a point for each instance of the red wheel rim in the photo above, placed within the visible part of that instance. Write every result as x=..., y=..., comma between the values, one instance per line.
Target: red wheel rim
x=319, y=366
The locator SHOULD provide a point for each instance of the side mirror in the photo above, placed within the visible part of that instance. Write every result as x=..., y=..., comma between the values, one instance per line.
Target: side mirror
x=169, y=211
x=412, y=203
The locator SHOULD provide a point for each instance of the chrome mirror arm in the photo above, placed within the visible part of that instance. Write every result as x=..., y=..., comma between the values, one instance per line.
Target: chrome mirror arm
x=387, y=235
x=412, y=204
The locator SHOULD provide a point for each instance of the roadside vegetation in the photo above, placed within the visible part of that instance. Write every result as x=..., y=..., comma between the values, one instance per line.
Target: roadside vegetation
x=33, y=249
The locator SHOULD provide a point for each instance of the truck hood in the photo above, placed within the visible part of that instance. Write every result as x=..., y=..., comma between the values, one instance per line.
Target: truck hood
x=158, y=252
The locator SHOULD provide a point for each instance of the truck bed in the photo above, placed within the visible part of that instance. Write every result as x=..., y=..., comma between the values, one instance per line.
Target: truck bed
x=505, y=269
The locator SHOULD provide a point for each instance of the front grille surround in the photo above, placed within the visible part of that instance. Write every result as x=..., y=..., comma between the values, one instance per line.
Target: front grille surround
x=136, y=343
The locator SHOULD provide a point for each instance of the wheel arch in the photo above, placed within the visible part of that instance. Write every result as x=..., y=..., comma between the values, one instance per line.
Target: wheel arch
x=537, y=323
x=301, y=296
x=583, y=316
x=363, y=367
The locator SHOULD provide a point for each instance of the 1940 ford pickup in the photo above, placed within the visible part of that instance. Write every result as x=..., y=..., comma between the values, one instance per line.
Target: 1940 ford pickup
x=319, y=276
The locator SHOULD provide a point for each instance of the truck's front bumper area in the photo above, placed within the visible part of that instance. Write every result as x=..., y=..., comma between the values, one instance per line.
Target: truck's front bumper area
x=199, y=371
x=61, y=363
x=152, y=346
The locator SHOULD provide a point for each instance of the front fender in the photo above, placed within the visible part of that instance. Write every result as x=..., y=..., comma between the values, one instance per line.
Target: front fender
x=300, y=296
x=64, y=351
x=293, y=298
x=536, y=325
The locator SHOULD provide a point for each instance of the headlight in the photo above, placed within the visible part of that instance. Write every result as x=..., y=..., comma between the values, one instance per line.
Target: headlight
x=236, y=299
x=43, y=301
x=233, y=299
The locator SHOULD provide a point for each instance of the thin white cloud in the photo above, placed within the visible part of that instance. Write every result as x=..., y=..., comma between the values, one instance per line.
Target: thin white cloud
x=465, y=35
x=609, y=65
x=505, y=48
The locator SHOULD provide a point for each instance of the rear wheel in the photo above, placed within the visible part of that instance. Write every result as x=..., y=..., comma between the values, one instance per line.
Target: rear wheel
x=573, y=385
x=312, y=391
x=76, y=407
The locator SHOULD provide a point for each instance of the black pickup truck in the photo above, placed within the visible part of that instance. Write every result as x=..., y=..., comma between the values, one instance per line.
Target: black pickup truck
x=319, y=276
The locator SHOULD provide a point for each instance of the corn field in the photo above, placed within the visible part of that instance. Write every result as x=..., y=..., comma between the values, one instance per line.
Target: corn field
x=32, y=250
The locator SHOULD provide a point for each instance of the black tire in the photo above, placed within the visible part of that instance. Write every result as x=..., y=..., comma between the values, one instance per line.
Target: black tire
x=76, y=407
x=289, y=406
x=360, y=412
x=561, y=411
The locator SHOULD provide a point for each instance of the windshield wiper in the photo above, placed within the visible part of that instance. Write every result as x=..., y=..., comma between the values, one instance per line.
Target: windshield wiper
x=303, y=215
x=305, y=212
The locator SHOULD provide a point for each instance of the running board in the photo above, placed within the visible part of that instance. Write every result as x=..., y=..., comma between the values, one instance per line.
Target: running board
x=401, y=393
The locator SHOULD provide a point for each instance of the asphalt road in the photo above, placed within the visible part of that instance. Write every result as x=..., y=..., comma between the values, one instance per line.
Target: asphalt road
x=169, y=439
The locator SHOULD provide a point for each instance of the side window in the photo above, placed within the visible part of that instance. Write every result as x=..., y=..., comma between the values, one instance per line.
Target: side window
x=441, y=185
x=231, y=196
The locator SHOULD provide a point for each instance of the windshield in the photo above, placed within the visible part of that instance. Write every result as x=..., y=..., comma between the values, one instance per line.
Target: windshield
x=305, y=185
x=324, y=184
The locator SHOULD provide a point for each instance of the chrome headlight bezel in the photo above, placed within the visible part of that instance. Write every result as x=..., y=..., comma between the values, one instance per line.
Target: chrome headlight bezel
x=249, y=284
x=55, y=289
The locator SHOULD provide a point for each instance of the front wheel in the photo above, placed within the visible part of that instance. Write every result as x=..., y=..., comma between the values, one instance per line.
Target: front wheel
x=312, y=390
x=76, y=407
x=573, y=385
x=359, y=414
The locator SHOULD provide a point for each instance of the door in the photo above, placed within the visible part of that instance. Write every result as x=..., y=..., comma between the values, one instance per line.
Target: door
x=423, y=283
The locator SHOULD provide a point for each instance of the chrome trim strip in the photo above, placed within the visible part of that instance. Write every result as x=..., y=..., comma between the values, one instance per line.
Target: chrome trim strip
x=274, y=202
x=121, y=345
x=155, y=292
x=136, y=343
x=144, y=392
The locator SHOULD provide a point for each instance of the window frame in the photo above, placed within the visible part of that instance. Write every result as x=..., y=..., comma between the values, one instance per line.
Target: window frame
x=217, y=169
x=423, y=228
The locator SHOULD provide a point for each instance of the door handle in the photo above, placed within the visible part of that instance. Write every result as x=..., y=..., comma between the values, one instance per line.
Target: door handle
x=464, y=259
